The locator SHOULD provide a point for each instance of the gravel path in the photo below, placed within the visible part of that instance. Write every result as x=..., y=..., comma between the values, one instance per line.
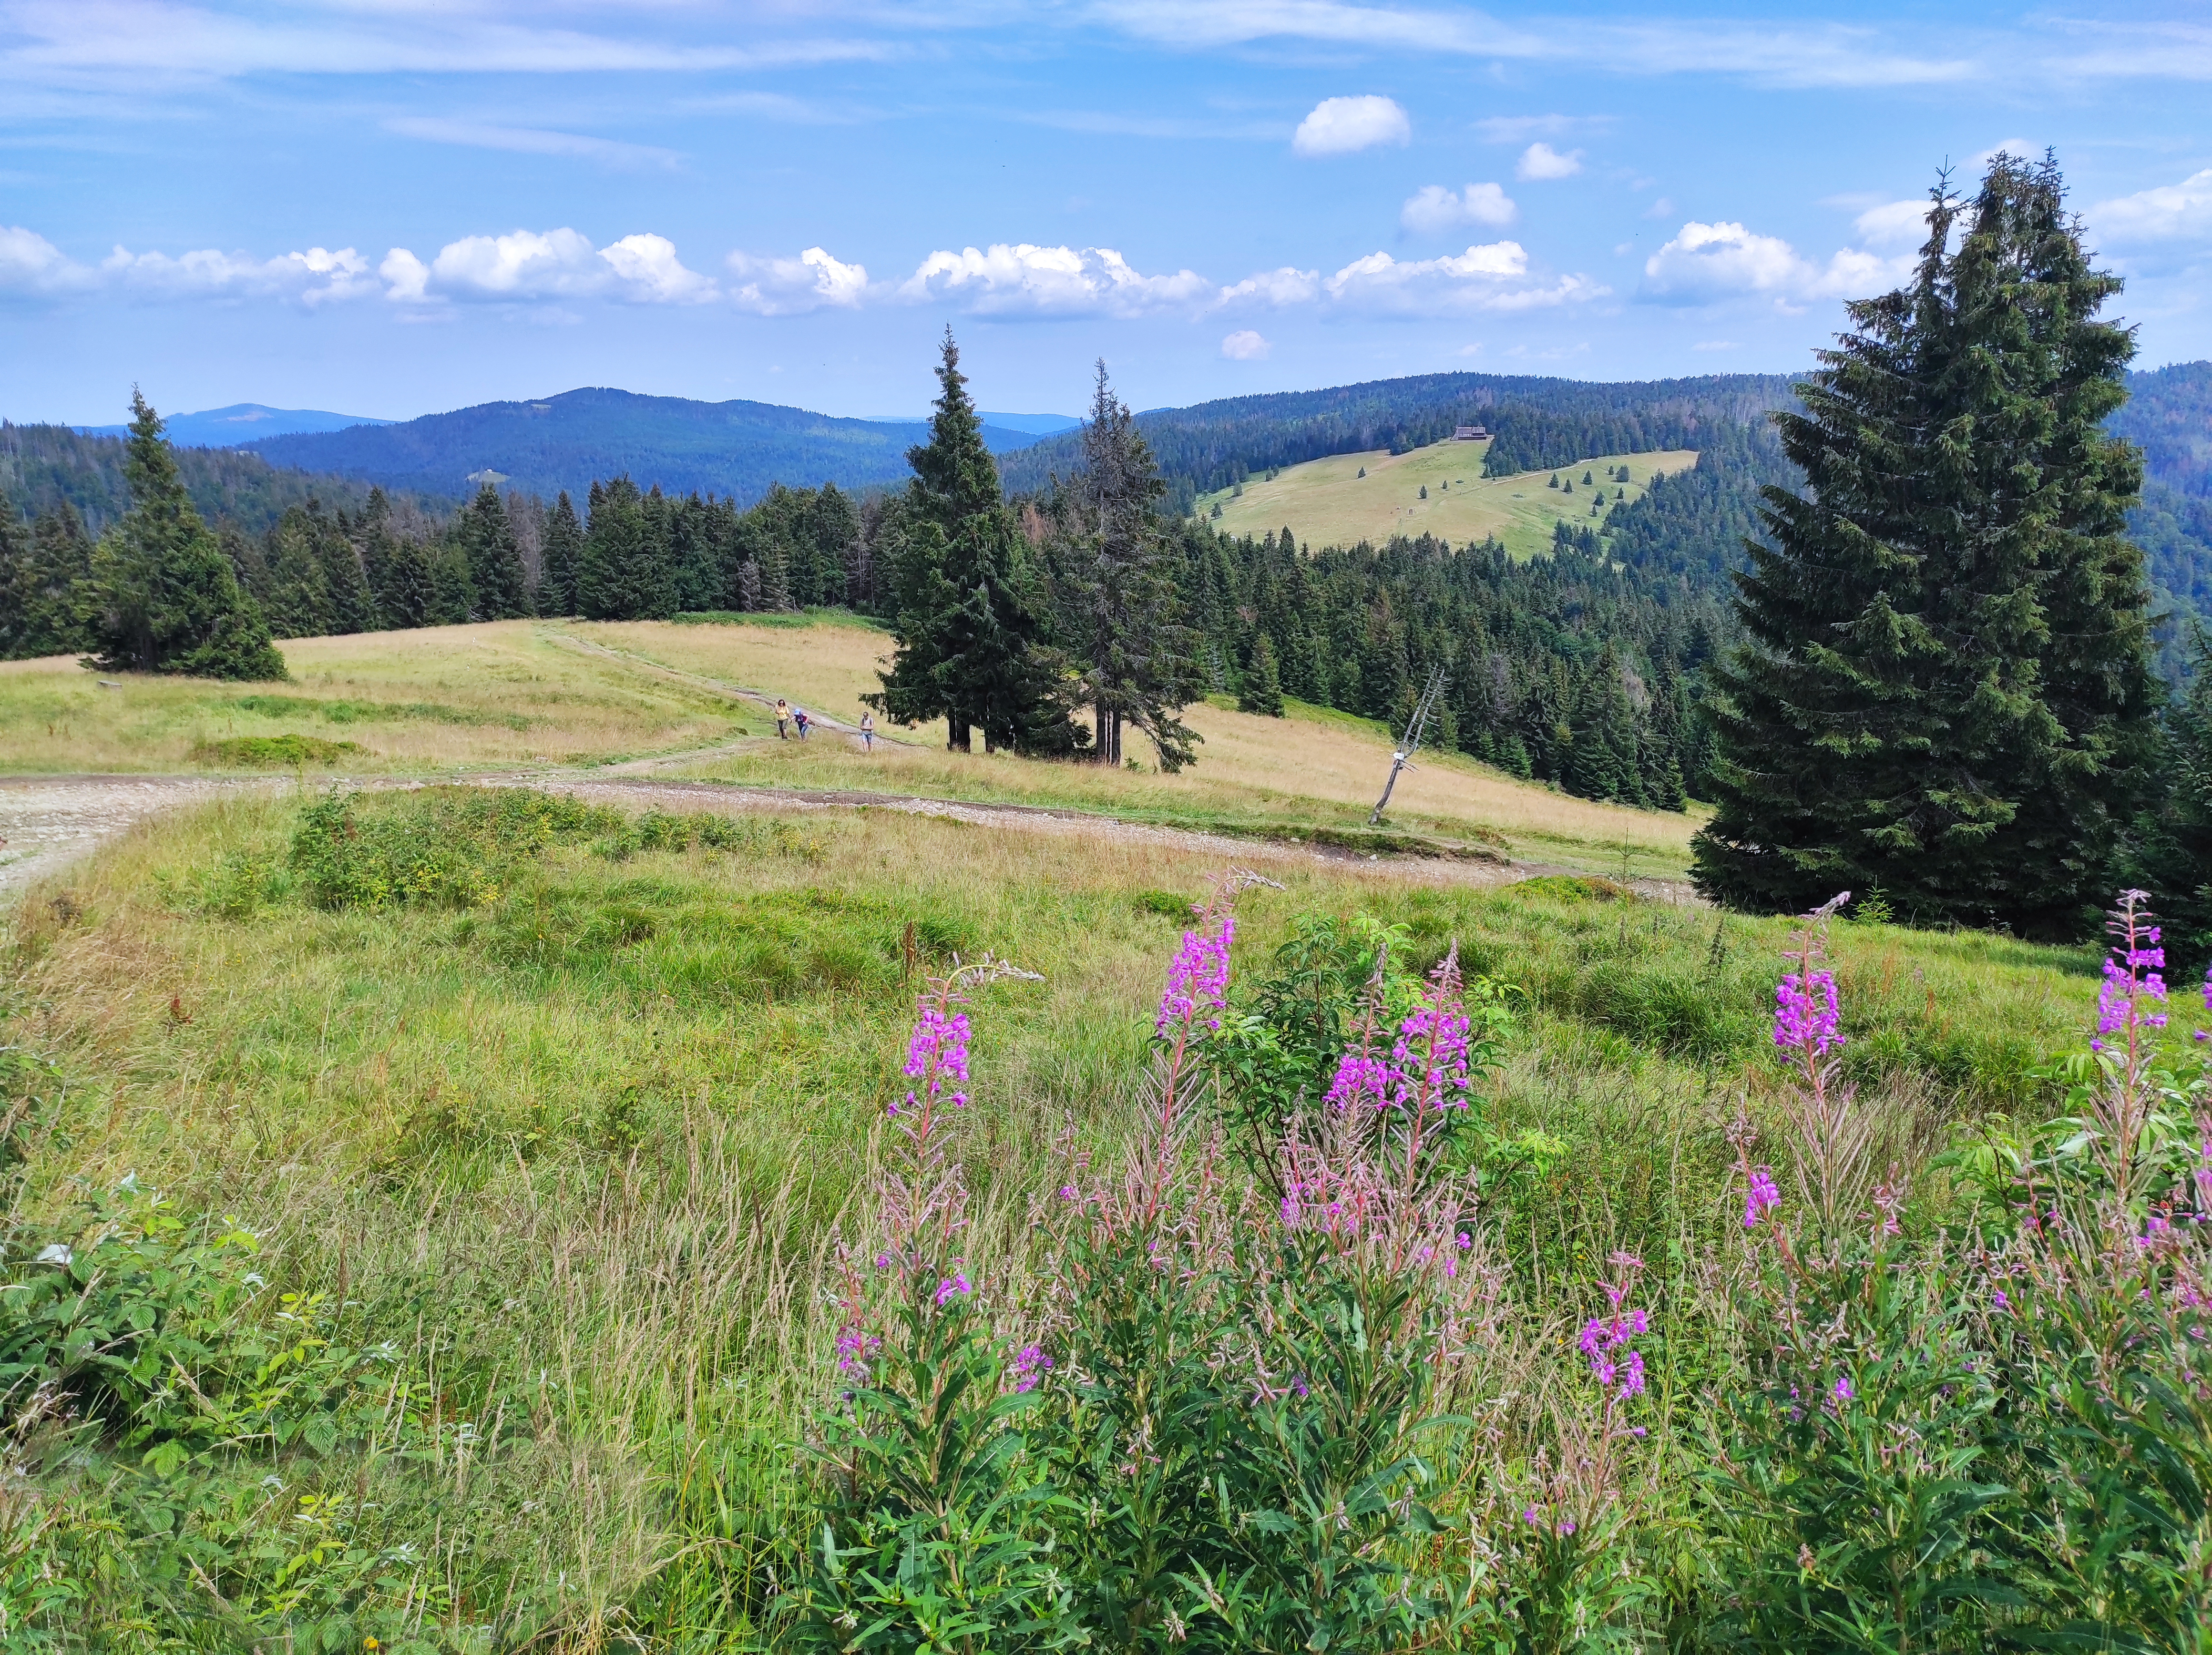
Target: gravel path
x=48, y=822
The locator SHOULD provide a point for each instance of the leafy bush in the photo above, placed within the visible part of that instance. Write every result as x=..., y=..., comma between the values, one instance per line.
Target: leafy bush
x=267, y=752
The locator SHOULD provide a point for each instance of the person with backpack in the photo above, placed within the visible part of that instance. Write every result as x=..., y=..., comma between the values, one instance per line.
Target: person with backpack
x=802, y=720
x=782, y=719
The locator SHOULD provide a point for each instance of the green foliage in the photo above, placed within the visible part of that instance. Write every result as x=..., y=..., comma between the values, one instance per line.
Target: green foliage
x=1261, y=690
x=268, y=752
x=167, y=598
x=1948, y=690
x=969, y=629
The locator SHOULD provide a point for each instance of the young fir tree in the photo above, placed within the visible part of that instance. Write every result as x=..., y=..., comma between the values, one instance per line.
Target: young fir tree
x=564, y=551
x=966, y=637
x=1947, y=692
x=1120, y=615
x=487, y=541
x=166, y=599
x=1262, y=689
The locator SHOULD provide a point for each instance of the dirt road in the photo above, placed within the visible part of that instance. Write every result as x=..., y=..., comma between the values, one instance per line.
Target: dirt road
x=48, y=822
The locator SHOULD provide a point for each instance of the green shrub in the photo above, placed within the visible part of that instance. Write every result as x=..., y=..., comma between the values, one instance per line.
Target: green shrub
x=267, y=752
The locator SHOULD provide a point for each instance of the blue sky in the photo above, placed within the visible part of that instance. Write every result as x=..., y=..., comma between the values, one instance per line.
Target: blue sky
x=391, y=207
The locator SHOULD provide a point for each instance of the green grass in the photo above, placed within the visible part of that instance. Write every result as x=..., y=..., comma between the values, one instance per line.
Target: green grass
x=1328, y=502
x=572, y=1122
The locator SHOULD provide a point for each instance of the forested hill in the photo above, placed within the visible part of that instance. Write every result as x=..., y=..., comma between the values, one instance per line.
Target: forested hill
x=733, y=449
x=42, y=466
x=1537, y=422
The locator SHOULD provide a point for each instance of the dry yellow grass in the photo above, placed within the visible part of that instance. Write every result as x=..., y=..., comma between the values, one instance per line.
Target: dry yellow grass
x=503, y=692
x=1326, y=502
x=584, y=694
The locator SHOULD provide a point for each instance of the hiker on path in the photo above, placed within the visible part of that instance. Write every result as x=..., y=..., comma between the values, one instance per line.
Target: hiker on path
x=782, y=719
x=800, y=716
x=868, y=732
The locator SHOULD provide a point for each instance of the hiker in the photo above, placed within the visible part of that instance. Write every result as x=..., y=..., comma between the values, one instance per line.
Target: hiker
x=800, y=716
x=782, y=719
x=867, y=732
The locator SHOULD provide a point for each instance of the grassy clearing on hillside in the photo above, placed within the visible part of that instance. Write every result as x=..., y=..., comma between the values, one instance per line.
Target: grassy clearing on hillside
x=503, y=692
x=517, y=693
x=569, y=1120
x=1326, y=502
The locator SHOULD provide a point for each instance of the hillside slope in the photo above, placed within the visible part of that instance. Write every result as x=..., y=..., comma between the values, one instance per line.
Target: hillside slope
x=41, y=466
x=564, y=442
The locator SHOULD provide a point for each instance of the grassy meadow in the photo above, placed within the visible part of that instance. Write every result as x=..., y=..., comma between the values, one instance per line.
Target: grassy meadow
x=568, y=1137
x=533, y=695
x=488, y=1150
x=1326, y=502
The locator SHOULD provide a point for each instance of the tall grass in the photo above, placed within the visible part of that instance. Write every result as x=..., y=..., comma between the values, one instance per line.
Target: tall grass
x=576, y=1141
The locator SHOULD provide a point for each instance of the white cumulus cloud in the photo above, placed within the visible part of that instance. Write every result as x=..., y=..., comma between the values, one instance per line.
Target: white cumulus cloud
x=1711, y=263
x=527, y=265
x=1339, y=126
x=1894, y=227
x=784, y=286
x=32, y=265
x=1245, y=346
x=1433, y=208
x=1023, y=279
x=313, y=277
x=1276, y=289
x=1540, y=160
x=1492, y=277
x=2171, y=212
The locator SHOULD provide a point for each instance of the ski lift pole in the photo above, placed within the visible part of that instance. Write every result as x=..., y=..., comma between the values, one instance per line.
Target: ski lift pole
x=1403, y=758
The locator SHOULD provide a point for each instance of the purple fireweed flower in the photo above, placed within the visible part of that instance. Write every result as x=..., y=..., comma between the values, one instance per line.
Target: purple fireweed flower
x=1031, y=1365
x=1530, y=1517
x=949, y=1286
x=1843, y=1391
x=1805, y=1012
x=855, y=1346
x=1999, y=1300
x=936, y=1055
x=1430, y=1057
x=1198, y=980
x=1360, y=1079
x=1760, y=1198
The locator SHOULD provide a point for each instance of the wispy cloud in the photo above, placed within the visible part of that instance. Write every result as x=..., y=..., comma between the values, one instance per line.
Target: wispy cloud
x=160, y=37
x=1433, y=208
x=535, y=141
x=1245, y=346
x=1520, y=129
x=1492, y=277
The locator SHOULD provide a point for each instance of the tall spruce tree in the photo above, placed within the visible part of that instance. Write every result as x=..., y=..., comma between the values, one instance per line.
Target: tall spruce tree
x=1946, y=689
x=495, y=562
x=564, y=550
x=967, y=635
x=615, y=574
x=166, y=599
x=1120, y=616
x=1262, y=690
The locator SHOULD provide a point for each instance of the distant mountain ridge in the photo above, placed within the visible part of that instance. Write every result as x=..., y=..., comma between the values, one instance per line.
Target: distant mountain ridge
x=737, y=449
x=240, y=423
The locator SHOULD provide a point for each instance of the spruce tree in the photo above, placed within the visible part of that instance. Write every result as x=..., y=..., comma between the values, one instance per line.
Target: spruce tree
x=1120, y=616
x=564, y=550
x=1262, y=689
x=166, y=599
x=1946, y=689
x=452, y=595
x=613, y=575
x=487, y=541
x=45, y=583
x=966, y=637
